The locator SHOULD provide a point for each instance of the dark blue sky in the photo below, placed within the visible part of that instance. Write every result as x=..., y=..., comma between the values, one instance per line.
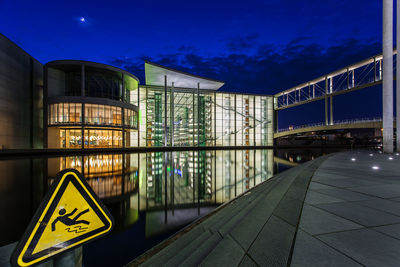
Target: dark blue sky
x=255, y=46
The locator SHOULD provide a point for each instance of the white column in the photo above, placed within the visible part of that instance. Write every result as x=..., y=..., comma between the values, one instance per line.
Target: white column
x=398, y=79
x=387, y=88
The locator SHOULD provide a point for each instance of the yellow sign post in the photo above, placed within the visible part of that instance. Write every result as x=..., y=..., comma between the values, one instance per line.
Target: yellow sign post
x=70, y=215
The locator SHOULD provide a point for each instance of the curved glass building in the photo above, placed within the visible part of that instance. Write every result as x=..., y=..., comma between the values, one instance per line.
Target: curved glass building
x=92, y=105
x=89, y=105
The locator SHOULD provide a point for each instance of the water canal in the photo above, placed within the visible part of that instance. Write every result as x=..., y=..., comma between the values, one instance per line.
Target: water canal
x=150, y=195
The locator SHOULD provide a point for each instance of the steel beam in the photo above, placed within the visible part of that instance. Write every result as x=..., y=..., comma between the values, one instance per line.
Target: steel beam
x=331, y=109
x=326, y=101
x=398, y=81
x=387, y=89
x=165, y=115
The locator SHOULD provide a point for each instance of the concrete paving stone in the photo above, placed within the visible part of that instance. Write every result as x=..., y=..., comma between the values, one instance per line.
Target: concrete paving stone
x=316, y=221
x=316, y=186
x=299, y=187
x=178, y=256
x=321, y=176
x=393, y=230
x=344, y=194
x=348, y=183
x=397, y=199
x=251, y=226
x=289, y=209
x=313, y=197
x=366, y=246
x=360, y=214
x=172, y=249
x=247, y=262
x=383, y=191
x=226, y=253
x=309, y=251
x=385, y=205
x=273, y=244
x=202, y=251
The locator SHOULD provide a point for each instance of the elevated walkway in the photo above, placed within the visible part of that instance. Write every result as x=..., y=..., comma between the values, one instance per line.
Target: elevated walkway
x=338, y=210
x=354, y=124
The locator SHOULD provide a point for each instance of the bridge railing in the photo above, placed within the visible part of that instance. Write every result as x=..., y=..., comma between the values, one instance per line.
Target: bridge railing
x=356, y=76
x=338, y=122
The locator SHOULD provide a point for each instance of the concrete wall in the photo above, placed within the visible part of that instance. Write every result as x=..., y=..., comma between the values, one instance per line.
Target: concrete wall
x=21, y=98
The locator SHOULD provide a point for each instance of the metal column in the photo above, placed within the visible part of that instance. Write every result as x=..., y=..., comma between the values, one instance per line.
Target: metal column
x=198, y=115
x=165, y=111
x=387, y=88
x=172, y=115
x=331, y=109
x=326, y=101
x=83, y=108
x=123, y=112
x=398, y=80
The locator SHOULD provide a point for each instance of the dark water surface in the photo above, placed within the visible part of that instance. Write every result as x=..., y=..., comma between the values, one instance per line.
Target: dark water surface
x=150, y=195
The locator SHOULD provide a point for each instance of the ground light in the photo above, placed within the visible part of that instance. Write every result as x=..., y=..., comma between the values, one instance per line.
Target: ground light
x=375, y=167
x=390, y=158
x=371, y=155
x=353, y=159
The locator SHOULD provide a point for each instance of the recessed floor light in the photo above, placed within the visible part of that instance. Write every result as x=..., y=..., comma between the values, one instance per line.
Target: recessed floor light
x=390, y=158
x=353, y=159
x=371, y=155
x=375, y=167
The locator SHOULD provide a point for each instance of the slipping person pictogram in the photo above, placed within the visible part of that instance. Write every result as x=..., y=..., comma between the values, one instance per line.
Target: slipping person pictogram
x=64, y=218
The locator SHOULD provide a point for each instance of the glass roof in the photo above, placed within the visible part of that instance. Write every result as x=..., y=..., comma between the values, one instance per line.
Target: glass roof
x=155, y=76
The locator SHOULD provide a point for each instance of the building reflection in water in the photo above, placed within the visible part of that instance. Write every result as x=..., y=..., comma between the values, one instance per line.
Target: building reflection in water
x=111, y=176
x=165, y=189
x=164, y=183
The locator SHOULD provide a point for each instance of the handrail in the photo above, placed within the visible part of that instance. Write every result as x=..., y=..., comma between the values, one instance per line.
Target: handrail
x=338, y=122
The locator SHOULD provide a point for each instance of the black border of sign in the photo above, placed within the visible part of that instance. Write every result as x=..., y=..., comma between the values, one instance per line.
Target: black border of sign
x=35, y=220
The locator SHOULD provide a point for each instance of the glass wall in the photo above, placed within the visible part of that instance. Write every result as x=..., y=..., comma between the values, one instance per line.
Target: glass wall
x=73, y=78
x=103, y=83
x=98, y=138
x=93, y=138
x=65, y=113
x=70, y=138
x=95, y=114
x=103, y=115
x=206, y=119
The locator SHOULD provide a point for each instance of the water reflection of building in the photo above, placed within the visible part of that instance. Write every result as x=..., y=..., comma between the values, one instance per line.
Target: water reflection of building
x=159, y=180
x=112, y=176
x=200, y=177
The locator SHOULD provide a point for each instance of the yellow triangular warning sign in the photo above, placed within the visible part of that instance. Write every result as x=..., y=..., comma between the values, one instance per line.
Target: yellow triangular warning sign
x=70, y=215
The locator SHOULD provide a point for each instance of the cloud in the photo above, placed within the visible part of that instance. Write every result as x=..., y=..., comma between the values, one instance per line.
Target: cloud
x=269, y=70
x=241, y=43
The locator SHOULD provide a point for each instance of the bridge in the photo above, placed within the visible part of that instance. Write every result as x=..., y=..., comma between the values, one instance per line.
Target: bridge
x=364, y=74
x=337, y=125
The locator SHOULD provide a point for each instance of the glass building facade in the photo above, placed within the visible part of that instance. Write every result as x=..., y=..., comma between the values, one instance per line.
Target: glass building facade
x=185, y=117
x=90, y=105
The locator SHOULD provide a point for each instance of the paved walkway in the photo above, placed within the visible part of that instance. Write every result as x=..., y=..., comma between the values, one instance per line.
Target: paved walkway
x=351, y=214
x=334, y=211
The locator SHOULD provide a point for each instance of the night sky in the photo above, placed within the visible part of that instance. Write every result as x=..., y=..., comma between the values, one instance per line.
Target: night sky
x=255, y=46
